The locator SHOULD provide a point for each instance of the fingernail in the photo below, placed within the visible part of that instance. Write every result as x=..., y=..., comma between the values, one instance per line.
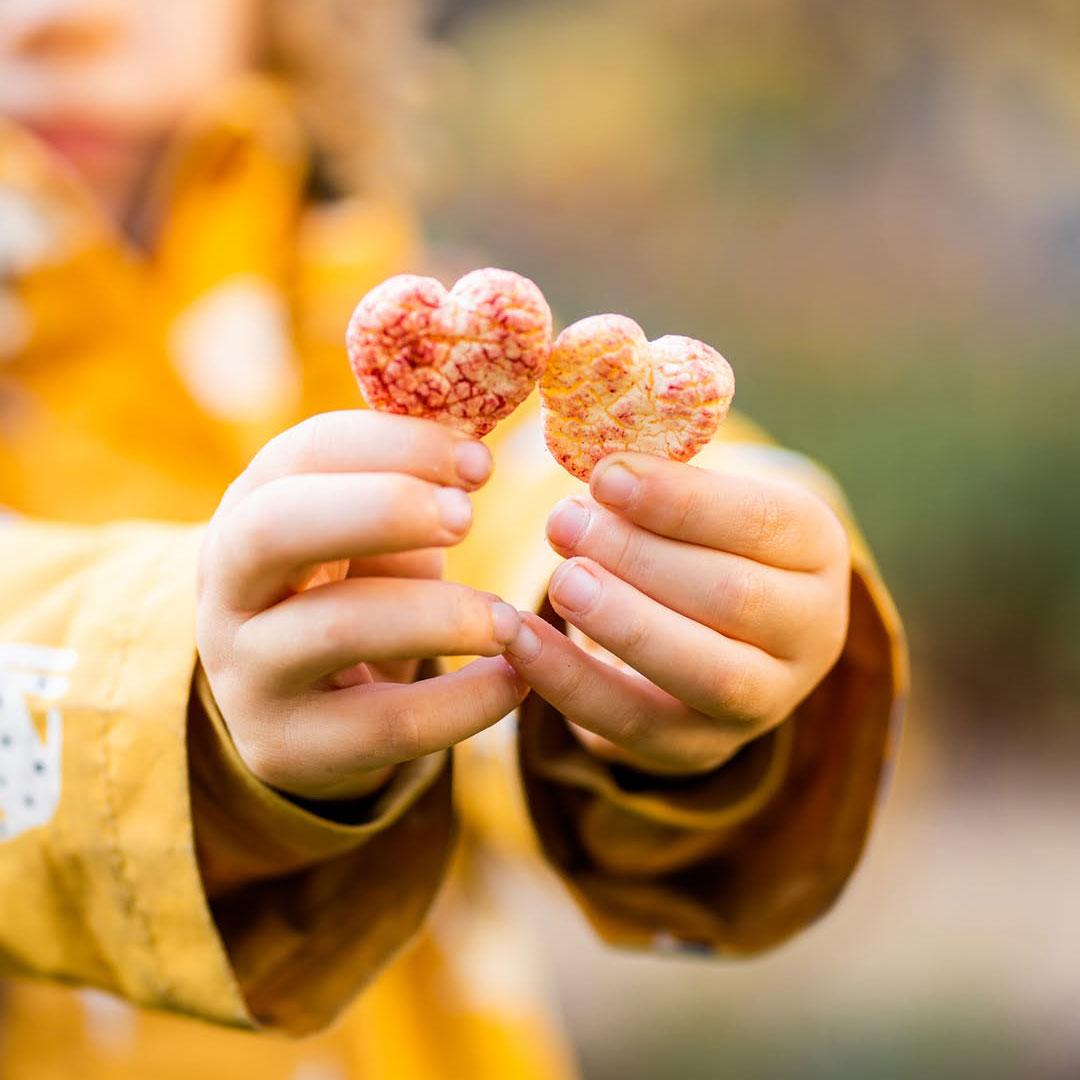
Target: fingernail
x=505, y=622
x=526, y=646
x=616, y=485
x=567, y=523
x=455, y=510
x=473, y=460
x=575, y=588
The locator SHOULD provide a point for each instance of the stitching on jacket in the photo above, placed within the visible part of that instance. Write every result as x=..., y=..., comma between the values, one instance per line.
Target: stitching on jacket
x=121, y=867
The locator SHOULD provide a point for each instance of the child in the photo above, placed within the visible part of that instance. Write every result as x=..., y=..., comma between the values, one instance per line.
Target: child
x=226, y=751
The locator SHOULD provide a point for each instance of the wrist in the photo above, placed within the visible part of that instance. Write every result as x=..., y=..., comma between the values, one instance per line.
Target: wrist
x=357, y=808
x=622, y=760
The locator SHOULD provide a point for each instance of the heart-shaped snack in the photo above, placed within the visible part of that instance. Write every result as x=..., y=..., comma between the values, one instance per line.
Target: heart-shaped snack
x=607, y=388
x=467, y=357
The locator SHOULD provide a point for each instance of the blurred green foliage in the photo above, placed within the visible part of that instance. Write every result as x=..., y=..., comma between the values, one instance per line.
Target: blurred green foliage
x=936, y=1039
x=873, y=210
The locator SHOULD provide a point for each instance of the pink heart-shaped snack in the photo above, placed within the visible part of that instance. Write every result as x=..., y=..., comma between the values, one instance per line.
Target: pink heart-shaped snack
x=606, y=388
x=467, y=357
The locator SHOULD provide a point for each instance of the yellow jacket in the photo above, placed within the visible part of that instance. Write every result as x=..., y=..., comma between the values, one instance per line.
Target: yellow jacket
x=137, y=855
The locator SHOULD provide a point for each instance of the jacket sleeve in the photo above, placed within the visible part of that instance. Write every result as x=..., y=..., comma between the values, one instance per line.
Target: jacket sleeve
x=137, y=854
x=743, y=858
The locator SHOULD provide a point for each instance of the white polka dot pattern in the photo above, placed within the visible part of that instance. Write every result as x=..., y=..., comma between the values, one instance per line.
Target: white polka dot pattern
x=30, y=762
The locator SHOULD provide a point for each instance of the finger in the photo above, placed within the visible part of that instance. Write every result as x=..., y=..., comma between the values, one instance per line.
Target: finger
x=271, y=540
x=663, y=760
x=425, y=563
x=366, y=727
x=772, y=521
x=618, y=706
x=738, y=597
x=363, y=440
x=325, y=630
x=725, y=679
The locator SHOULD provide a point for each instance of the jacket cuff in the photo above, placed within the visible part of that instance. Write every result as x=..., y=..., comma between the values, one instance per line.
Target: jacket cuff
x=745, y=857
x=303, y=945
x=309, y=908
x=246, y=831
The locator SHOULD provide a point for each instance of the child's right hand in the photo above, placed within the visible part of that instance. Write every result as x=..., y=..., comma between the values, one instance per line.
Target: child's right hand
x=319, y=589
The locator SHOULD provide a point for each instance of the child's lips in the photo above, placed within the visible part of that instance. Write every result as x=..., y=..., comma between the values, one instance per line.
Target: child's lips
x=77, y=142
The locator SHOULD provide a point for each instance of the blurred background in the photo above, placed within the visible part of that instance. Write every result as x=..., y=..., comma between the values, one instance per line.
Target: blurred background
x=873, y=210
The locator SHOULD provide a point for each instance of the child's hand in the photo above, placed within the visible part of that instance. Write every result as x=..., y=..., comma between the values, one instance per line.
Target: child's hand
x=727, y=595
x=319, y=589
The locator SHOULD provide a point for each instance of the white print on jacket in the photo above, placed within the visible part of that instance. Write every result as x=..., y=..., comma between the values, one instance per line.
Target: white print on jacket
x=30, y=765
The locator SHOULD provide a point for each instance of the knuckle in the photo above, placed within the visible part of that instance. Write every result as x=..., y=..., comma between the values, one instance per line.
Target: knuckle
x=630, y=559
x=835, y=641
x=631, y=729
x=412, y=514
x=718, y=687
x=405, y=500
x=312, y=440
x=765, y=517
x=478, y=619
x=684, y=513
x=245, y=653
x=823, y=525
x=205, y=632
x=206, y=563
x=754, y=701
x=734, y=692
x=492, y=702
x=254, y=526
x=635, y=636
x=233, y=493
x=327, y=441
x=320, y=442
x=839, y=543
x=469, y=615
x=397, y=733
x=389, y=508
x=391, y=731
x=467, y=612
x=288, y=451
x=268, y=757
x=803, y=622
x=573, y=692
x=740, y=597
x=835, y=630
x=798, y=610
x=338, y=627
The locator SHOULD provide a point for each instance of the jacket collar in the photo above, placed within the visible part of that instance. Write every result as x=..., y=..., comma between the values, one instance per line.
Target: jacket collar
x=225, y=193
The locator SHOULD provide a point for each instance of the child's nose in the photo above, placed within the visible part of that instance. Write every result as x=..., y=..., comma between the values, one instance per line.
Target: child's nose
x=60, y=28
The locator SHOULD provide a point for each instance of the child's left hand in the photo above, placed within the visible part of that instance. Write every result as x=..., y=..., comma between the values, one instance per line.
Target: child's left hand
x=727, y=596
